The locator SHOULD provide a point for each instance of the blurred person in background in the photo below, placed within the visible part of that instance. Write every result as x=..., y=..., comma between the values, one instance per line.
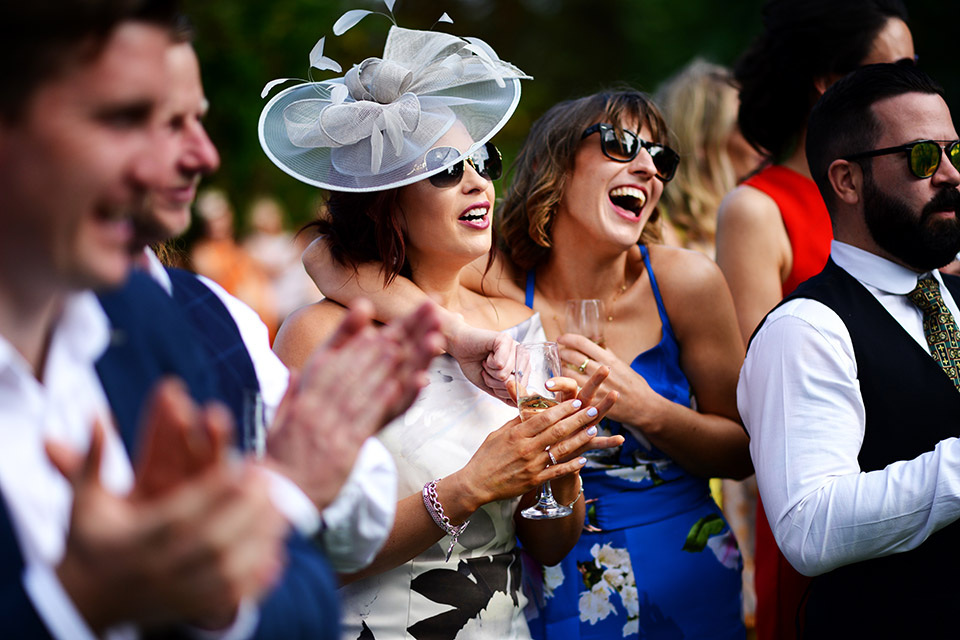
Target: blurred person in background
x=700, y=102
x=217, y=255
x=277, y=251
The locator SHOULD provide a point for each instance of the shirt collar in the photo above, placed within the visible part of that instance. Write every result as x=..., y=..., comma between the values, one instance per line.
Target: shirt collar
x=875, y=271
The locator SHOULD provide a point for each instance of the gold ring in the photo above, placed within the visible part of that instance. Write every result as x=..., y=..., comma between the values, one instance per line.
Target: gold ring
x=583, y=367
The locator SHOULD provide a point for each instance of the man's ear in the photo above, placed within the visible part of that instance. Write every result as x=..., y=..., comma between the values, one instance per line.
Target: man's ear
x=846, y=180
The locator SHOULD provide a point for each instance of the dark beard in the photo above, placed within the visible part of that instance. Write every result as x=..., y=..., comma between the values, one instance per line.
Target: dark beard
x=918, y=241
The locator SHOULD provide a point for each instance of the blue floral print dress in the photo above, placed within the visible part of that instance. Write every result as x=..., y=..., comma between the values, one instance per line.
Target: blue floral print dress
x=656, y=558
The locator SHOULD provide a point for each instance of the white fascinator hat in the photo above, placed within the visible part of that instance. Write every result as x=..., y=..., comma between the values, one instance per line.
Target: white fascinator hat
x=369, y=130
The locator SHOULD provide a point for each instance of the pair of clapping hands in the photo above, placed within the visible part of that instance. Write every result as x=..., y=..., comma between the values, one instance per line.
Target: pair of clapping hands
x=198, y=533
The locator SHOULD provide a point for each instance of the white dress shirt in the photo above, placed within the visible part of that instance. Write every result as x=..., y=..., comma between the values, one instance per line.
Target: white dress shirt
x=357, y=523
x=800, y=401
x=62, y=408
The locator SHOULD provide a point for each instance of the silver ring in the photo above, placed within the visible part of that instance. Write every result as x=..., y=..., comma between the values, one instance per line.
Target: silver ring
x=552, y=459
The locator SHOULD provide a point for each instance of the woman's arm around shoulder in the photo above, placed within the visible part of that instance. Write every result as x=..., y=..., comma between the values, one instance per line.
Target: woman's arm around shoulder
x=753, y=251
x=502, y=279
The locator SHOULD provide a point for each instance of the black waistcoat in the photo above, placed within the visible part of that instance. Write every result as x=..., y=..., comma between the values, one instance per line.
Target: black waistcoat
x=910, y=405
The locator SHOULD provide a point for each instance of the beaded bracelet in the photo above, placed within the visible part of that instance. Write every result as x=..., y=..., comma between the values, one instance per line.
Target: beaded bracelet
x=578, y=494
x=435, y=509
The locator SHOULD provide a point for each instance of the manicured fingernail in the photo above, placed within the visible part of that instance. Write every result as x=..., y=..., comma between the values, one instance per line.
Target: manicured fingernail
x=592, y=431
x=550, y=384
x=592, y=411
x=581, y=461
x=577, y=404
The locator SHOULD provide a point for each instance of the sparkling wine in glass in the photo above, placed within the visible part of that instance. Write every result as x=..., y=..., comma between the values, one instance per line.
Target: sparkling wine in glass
x=585, y=317
x=536, y=363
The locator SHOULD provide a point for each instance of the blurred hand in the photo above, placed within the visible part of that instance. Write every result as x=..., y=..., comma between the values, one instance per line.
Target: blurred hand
x=349, y=389
x=189, y=555
x=180, y=441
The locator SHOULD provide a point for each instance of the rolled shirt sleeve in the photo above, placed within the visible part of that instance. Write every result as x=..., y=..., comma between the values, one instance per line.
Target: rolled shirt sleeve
x=800, y=402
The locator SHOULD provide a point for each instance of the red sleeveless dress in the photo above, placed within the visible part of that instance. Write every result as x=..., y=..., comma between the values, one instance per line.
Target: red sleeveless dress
x=780, y=588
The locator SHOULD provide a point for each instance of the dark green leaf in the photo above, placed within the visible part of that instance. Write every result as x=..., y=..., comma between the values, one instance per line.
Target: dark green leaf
x=701, y=531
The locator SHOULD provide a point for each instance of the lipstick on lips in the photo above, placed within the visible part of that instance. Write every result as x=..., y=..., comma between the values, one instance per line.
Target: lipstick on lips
x=476, y=216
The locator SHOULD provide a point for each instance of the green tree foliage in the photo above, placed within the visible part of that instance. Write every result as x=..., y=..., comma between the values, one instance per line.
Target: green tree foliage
x=570, y=47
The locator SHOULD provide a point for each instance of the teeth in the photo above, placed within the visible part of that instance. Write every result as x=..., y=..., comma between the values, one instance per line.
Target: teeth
x=630, y=192
x=475, y=214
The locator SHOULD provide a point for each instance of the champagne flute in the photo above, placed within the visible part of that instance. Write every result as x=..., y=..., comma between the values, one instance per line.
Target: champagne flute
x=585, y=317
x=536, y=363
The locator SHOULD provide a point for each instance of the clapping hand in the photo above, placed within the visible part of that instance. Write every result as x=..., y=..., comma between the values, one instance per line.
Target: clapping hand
x=193, y=538
x=349, y=388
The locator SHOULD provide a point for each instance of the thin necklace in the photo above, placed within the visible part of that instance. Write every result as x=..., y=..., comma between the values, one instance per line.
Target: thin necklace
x=609, y=307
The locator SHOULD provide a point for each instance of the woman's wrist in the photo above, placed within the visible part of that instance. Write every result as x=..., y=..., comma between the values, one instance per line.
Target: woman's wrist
x=431, y=502
x=568, y=489
x=459, y=499
x=646, y=414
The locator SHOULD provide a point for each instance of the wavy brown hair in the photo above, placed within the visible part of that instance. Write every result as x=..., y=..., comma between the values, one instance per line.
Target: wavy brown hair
x=547, y=158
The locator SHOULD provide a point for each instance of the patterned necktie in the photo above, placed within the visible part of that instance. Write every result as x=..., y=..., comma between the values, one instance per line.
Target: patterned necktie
x=939, y=327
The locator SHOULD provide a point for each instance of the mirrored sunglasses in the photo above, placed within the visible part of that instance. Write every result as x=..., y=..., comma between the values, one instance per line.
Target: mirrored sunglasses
x=923, y=156
x=626, y=147
x=486, y=161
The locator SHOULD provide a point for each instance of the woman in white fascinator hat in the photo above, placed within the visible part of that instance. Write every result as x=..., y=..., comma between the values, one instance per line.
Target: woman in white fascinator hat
x=402, y=145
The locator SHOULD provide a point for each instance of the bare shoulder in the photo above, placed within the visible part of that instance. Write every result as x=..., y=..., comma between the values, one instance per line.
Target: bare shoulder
x=494, y=312
x=695, y=295
x=683, y=272
x=511, y=312
x=305, y=329
x=751, y=237
x=747, y=206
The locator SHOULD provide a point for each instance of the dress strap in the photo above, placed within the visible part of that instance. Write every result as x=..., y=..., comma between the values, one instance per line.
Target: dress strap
x=664, y=319
x=531, y=284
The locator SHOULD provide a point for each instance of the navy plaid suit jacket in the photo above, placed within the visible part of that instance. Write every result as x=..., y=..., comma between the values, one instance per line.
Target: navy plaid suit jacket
x=151, y=337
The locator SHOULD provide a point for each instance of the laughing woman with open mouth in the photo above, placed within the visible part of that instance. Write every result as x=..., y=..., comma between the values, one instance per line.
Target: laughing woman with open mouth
x=656, y=559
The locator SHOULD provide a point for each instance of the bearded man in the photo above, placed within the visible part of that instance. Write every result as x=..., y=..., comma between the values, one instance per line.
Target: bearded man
x=851, y=390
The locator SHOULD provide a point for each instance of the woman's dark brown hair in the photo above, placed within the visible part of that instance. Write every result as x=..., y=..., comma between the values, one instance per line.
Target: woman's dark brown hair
x=364, y=227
